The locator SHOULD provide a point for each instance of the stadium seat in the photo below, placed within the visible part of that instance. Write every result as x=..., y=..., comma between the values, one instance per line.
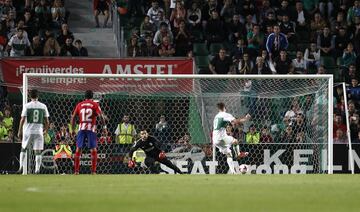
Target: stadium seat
x=200, y=49
x=202, y=61
x=215, y=48
x=328, y=62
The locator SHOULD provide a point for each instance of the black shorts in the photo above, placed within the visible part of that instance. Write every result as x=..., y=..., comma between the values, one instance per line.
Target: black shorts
x=102, y=6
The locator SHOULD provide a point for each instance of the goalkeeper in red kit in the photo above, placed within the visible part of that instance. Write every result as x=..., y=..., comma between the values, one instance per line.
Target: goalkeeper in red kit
x=150, y=145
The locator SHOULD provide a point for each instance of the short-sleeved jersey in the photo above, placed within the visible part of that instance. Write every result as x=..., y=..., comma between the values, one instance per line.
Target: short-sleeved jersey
x=35, y=113
x=220, y=121
x=87, y=111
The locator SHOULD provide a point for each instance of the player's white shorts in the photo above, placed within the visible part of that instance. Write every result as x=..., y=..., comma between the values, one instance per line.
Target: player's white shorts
x=36, y=139
x=223, y=143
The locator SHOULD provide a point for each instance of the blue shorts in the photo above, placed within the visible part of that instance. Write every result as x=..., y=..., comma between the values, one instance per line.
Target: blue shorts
x=86, y=136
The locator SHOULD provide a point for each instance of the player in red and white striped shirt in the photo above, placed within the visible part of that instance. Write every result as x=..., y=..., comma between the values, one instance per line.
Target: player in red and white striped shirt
x=87, y=111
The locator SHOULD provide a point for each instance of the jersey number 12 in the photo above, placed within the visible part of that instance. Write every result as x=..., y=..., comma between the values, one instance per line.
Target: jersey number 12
x=86, y=114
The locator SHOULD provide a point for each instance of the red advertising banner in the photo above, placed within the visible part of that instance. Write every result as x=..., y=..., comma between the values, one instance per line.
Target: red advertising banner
x=14, y=68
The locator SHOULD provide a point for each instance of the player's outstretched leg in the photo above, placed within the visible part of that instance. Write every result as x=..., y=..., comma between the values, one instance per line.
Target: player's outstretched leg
x=230, y=162
x=168, y=163
x=38, y=158
x=77, y=161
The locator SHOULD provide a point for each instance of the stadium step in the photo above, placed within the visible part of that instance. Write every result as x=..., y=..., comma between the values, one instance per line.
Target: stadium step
x=100, y=42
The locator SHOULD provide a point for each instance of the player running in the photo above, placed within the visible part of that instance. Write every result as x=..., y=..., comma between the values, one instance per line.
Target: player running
x=221, y=140
x=87, y=111
x=150, y=145
x=34, y=123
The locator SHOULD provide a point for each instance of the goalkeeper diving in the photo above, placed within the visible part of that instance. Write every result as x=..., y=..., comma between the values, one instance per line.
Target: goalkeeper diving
x=221, y=140
x=150, y=145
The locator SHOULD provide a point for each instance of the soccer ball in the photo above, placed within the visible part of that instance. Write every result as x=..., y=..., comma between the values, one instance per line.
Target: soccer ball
x=243, y=168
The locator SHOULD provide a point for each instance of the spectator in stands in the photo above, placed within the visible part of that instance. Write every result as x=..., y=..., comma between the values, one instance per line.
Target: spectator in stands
x=352, y=108
x=182, y=40
x=51, y=47
x=339, y=22
x=260, y=67
x=252, y=136
x=288, y=28
x=135, y=8
x=282, y=64
x=248, y=9
x=341, y=41
x=178, y=14
x=125, y=132
x=300, y=17
x=348, y=57
x=240, y=134
x=133, y=49
x=162, y=130
x=68, y=49
x=353, y=12
x=299, y=124
x=295, y=109
x=352, y=73
x=37, y=46
x=245, y=64
x=194, y=17
x=228, y=11
x=8, y=120
x=265, y=12
x=312, y=57
x=207, y=10
x=299, y=63
x=153, y=12
x=165, y=48
x=353, y=90
x=255, y=39
x=325, y=42
x=58, y=14
x=356, y=41
x=147, y=28
x=64, y=34
x=221, y=63
x=316, y=26
x=270, y=20
x=162, y=19
x=267, y=62
x=321, y=70
x=43, y=13
x=276, y=42
x=214, y=29
x=340, y=137
x=79, y=50
x=288, y=135
x=18, y=43
x=101, y=6
x=30, y=24
x=283, y=10
x=105, y=137
x=63, y=134
x=161, y=33
x=265, y=136
x=239, y=50
x=148, y=49
x=354, y=126
x=3, y=130
x=338, y=124
x=235, y=29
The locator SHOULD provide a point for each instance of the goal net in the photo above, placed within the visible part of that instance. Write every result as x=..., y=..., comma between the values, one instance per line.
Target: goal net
x=290, y=130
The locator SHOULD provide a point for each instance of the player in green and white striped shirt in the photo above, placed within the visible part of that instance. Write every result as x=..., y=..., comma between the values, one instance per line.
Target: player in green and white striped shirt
x=221, y=140
x=34, y=124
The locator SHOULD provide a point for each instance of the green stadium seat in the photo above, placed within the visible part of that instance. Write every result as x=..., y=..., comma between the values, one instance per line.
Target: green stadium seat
x=202, y=61
x=200, y=49
x=215, y=48
x=328, y=62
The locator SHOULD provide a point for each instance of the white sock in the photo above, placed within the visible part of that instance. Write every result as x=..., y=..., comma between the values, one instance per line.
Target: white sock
x=230, y=162
x=37, y=162
x=236, y=149
x=21, y=159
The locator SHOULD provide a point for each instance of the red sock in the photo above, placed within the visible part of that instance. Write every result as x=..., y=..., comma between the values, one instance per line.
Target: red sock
x=77, y=161
x=93, y=160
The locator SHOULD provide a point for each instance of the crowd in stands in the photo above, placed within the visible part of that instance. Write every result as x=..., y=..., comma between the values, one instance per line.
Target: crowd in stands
x=37, y=28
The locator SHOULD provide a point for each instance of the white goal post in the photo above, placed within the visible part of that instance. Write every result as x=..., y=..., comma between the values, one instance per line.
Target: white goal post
x=189, y=102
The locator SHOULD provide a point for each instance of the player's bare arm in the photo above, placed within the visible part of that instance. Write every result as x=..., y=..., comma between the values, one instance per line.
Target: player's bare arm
x=241, y=120
x=72, y=122
x=46, y=125
x=20, y=131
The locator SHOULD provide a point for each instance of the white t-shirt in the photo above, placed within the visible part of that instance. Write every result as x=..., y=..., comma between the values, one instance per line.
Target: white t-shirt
x=18, y=46
x=220, y=121
x=35, y=113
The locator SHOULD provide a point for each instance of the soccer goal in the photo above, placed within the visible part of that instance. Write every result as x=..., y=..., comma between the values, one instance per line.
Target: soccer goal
x=290, y=130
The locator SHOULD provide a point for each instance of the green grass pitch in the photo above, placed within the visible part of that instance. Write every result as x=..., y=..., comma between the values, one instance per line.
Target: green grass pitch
x=179, y=193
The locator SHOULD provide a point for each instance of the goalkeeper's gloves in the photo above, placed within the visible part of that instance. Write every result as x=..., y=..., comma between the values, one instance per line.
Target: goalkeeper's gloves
x=131, y=163
x=162, y=155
